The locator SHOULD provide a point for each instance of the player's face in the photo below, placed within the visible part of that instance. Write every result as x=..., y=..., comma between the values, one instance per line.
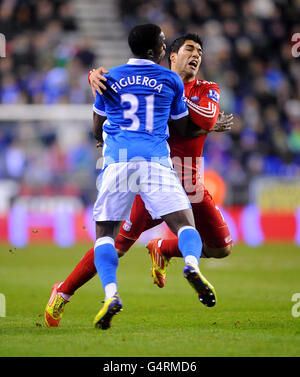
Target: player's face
x=161, y=48
x=188, y=59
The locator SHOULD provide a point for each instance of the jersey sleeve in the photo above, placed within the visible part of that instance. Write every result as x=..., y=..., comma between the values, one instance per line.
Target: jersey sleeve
x=205, y=113
x=179, y=107
x=99, y=106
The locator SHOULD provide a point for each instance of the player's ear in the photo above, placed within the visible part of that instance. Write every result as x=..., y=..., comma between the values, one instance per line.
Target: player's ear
x=173, y=57
x=150, y=53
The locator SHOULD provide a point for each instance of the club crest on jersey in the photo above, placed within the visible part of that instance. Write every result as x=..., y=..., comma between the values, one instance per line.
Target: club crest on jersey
x=127, y=225
x=195, y=99
x=214, y=95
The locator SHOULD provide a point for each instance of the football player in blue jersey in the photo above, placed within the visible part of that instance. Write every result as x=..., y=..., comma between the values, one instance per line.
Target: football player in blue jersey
x=132, y=116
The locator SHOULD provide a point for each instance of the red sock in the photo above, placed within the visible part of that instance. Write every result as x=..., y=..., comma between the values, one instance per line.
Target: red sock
x=169, y=248
x=123, y=244
x=81, y=274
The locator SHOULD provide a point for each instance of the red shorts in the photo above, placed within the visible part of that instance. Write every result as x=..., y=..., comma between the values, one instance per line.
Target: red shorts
x=209, y=222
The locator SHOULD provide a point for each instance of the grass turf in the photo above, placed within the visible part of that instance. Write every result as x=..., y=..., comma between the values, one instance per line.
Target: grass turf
x=252, y=317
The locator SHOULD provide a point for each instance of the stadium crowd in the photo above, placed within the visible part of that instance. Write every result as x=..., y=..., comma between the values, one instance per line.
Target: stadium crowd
x=46, y=62
x=247, y=51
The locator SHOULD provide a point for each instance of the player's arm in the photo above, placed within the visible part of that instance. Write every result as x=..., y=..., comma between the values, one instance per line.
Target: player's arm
x=98, y=121
x=181, y=124
x=223, y=124
x=179, y=113
x=99, y=117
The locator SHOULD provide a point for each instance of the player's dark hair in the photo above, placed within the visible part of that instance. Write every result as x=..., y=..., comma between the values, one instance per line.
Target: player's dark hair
x=143, y=38
x=175, y=46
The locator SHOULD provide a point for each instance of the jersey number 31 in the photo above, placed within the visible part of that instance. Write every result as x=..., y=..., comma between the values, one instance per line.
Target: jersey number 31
x=131, y=112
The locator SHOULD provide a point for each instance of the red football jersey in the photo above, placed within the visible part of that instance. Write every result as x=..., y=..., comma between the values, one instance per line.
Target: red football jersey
x=203, y=101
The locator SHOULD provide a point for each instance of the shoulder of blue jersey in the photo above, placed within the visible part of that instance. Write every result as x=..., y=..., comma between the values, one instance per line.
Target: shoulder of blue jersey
x=117, y=68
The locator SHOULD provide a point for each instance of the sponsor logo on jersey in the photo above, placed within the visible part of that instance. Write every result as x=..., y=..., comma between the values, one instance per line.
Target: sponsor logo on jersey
x=214, y=95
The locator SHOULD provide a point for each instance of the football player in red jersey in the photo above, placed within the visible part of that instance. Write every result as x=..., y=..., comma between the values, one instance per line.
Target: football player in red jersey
x=203, y=101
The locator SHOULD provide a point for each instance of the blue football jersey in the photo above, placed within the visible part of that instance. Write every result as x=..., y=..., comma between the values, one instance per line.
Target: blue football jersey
x=140, y=98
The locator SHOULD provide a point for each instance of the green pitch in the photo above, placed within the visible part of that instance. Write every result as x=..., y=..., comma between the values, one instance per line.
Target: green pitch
x=253, y=315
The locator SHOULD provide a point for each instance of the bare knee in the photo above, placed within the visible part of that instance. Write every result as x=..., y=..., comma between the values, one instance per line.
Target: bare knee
x=221, y=252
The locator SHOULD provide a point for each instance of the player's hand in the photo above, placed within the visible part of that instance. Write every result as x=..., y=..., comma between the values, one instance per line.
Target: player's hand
x=96, y=80
x=224, y=122
x=99, y=144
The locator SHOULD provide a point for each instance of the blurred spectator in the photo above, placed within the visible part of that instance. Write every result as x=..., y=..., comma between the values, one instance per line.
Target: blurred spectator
x=40, y=51
x=50, y=158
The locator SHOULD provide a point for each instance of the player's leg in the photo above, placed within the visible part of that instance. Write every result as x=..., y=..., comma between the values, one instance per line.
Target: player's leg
x=112, y=206
x=130, y=230
x=106, y=263
x=140, y=220
x=170, y=202
x=86, y=269
x=54, y=308
x=82, y=273
x=214, y=232
x=216, y=252
x=159, y=261
x=190, y=246
x=164, y=250
x=62, y=292
x=168, y=248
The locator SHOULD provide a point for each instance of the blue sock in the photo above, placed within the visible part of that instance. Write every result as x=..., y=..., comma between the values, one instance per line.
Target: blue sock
x=106, y=260
x=189, y=242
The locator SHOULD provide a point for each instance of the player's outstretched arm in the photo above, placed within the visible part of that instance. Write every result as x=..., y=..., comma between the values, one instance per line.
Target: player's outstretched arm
x=188, y=128
x=223, y=124
x=97, y=80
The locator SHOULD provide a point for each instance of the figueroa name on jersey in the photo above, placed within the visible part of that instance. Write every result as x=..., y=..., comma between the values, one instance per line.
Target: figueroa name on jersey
x=136, y=80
